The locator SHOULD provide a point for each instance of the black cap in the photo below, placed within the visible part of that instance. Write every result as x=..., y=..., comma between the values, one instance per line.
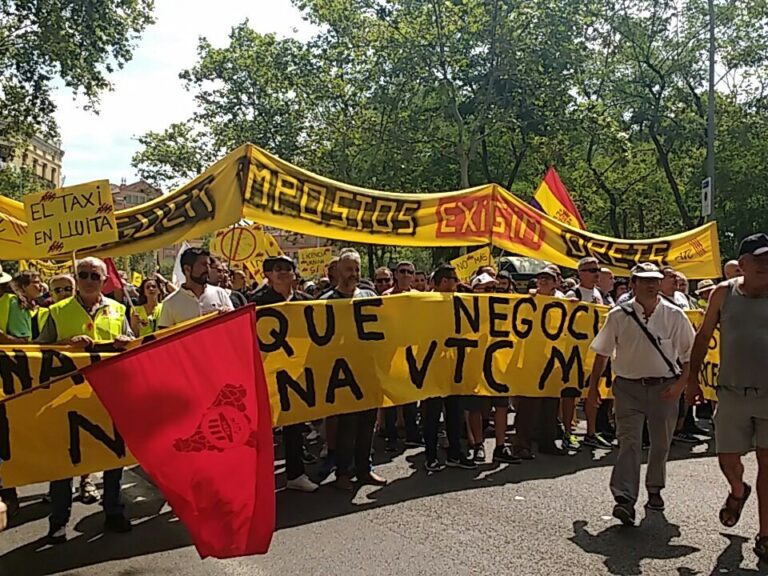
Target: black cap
x=757, y=244
x=269, y=263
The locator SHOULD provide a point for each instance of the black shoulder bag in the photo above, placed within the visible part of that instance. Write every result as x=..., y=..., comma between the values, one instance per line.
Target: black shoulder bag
x=630, y=311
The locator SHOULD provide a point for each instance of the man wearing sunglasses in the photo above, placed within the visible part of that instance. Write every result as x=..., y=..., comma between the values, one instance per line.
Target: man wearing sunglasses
x=589, y=276
x=81, y=320
x=382, y=280
x=405, y=273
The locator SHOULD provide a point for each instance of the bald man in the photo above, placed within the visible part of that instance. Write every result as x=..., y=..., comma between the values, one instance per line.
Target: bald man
x=732, y=270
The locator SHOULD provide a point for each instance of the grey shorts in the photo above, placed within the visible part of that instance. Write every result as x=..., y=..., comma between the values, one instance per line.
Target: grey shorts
x=741, y=420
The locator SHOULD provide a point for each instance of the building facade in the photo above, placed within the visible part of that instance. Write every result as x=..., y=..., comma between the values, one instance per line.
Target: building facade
x=42, y=157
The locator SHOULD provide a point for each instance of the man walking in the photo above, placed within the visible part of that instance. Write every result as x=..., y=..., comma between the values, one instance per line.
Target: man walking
x=652, y=341
x=740, y=306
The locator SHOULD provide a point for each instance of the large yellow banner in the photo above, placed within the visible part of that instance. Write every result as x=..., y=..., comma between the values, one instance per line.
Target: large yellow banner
x=252, y=183
x=324, y=358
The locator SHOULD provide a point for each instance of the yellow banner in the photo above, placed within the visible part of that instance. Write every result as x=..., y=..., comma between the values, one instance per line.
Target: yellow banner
x=46, y=268
x=252, y=184
x=136, y=279
x=324, y=358
x=469, y=263
x=312, y=261
x=72, y=218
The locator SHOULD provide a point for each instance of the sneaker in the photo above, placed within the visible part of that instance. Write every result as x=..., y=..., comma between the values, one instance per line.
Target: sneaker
x=302, y=484
x=117, y=523
x=655, y=502
x=57, y=535
x=523, y=454
x=504, y=454
x=624, y=513
x=696, y=429
x=570, y=442
x=462, y=462
x=88, y=492
x=313, y=436
x=328, y=466
x=308, y=458
x=479, y=453
x=434, y=465
x=685, y=437
x=597, y=441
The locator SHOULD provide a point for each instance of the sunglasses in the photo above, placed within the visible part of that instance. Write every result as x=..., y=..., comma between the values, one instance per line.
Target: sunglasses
x=590, y=270
x=95, y=276
x=406, y=271
x=63, y=290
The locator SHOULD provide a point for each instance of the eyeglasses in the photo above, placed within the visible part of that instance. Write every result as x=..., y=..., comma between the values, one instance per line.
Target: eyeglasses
x=95, y=276
x=590, y=270
x=63, y=290
x=406, y=271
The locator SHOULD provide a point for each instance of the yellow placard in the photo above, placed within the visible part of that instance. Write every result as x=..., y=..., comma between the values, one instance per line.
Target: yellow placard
x=467, y=265
x=324, y=358
x=312, y=261
x=253, y=184
x=237, y=243
x=68, y=219
x=46, y=268
x=137, y=279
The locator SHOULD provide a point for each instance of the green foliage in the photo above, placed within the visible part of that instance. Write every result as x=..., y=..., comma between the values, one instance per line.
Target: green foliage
x=16, y=182
x=431, y=95
x=80, y=42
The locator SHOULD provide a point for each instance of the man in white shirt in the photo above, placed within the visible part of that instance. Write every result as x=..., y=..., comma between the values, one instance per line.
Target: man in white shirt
x=652, y=342
x=669, y=289
x=587, y=290
x=196, y=297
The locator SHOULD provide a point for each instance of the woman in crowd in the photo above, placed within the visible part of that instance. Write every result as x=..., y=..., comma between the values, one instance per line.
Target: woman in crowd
x=144, y=316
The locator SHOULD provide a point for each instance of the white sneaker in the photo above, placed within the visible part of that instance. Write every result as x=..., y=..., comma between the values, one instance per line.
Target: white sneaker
x=302, y=484
x=313, y=435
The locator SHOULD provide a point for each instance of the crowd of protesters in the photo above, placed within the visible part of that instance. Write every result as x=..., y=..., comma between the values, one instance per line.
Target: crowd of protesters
x=31, y=311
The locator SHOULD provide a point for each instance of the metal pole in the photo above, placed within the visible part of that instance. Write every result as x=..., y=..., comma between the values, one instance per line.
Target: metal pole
x=711, y=108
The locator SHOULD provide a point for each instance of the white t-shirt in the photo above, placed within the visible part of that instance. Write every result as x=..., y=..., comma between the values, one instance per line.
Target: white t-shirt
x=183, y=305
x=589, y=295
x=636, y=357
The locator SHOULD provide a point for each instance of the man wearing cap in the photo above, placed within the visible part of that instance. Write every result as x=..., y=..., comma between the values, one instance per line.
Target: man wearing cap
x=652, y=342
x=740, y=307
x=483, y=282
x=704, y=292
x=538, y=414
x=281, y=273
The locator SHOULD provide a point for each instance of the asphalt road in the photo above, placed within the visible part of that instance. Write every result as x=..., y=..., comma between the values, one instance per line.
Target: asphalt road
x=547, y=517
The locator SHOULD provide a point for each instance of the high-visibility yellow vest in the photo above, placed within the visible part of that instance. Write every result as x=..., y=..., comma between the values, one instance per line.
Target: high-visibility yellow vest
x=5, y=310
x=40, y=318
x=148, y=323
x=72, y=320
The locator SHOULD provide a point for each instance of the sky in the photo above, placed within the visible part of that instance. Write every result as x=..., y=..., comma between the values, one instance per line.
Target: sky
x=148, y=94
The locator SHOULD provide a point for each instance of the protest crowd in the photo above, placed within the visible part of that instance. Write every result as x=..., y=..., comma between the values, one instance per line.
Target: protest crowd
x=651, y=362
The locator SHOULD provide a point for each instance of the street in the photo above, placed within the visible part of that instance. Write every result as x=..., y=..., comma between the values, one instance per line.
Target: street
x=549, y=516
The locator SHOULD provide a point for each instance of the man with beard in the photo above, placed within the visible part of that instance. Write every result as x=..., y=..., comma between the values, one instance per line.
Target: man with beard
x=195, y=297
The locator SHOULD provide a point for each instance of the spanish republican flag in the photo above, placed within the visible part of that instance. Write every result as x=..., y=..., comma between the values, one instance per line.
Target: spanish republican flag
x=194, y=410
x=553, y=199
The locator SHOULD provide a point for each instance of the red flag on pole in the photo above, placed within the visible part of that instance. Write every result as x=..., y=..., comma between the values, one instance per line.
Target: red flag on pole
x=194, y=410
x=113, y=281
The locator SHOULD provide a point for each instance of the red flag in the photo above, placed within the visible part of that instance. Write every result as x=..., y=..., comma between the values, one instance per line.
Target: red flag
x=114, y=282
x=194, y=410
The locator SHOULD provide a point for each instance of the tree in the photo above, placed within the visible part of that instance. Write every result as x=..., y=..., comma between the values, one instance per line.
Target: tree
x=16, y=182
x=79, y=42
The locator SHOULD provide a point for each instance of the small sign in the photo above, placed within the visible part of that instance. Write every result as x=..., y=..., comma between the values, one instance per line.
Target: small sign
x=137, y=279
x=312, y=261
x=72, y=218
x=467, y=265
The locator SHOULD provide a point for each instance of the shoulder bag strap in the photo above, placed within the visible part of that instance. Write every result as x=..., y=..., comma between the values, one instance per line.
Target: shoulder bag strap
x=630, y=311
